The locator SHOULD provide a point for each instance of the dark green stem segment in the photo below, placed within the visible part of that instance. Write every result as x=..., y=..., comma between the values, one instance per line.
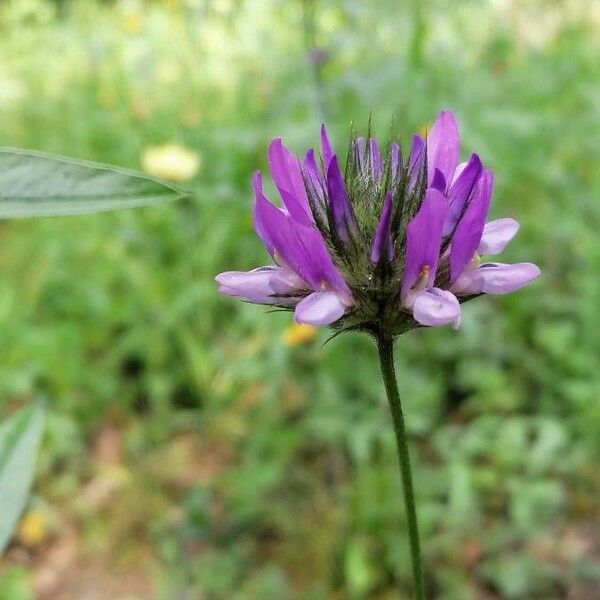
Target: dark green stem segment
x=385, y=346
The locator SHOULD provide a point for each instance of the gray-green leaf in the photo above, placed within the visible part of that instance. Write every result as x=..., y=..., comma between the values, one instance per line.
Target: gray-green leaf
x=19, y=440
x=35, y=184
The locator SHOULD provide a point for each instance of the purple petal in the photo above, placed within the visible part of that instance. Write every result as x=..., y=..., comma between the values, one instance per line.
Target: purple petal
x=443, y=146
x=265, y=285
x=376, y=167
x=496, y=278
x=261, y=228
x=416, y=160
x=325, y=147
x=300, y=248
x=312, y=172
x=438, y=181
x=280, y=234
x=343, y=217
x=316, y=255
x=436, y=307
x=285, y=171
x=396, y=159
x=423, y=240
x=320, y=308
x=359, y=155
x=469, y=230
x=382, y=241
x=314, y=182
x=496, y=235
x=461, y=190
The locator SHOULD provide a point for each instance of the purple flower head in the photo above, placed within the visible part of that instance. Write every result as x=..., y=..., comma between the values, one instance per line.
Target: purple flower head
x=381, y=244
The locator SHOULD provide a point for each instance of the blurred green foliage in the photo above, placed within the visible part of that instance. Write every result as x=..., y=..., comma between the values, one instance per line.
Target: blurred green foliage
x=290, y=488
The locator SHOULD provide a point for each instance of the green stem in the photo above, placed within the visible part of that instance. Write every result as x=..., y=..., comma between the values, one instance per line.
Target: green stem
x=385, y=346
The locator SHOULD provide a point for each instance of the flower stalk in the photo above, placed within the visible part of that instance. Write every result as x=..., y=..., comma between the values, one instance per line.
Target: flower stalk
x=385, y=346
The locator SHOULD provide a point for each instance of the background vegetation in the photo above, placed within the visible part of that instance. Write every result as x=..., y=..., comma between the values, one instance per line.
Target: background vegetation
x=192, y=451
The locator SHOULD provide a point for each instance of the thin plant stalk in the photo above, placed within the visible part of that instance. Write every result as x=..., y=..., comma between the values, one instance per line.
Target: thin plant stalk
x=385, y=346
x=310, y=43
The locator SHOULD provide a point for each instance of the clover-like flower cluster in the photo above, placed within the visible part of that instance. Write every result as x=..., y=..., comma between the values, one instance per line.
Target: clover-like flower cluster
x=388, y=245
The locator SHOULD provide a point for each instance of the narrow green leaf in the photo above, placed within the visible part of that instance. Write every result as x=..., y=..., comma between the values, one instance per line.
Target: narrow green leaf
x=19, y=440
x=35, y=184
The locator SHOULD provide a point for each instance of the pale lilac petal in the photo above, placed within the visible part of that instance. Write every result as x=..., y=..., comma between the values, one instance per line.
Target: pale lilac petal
x=469, y=230
x=423, y=239
x=325, y=147
x=436, y=307
x=343, y=216
x=496, y=235
x=376, y=166
x=285, y=171
x=382, y=241
x=496, y=278
x=265, y=285
x=458, y=171
x=360, y=148
x=320, y=308
x=456, y=322
x=461, y=190
x=443, y=146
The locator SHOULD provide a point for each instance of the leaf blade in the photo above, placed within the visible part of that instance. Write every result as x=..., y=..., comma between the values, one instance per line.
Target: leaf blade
x=20, y=437
x=36, y=184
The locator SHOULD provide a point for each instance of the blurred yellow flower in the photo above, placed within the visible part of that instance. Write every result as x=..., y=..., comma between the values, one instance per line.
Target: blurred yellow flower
x=32, y=530
x=171, y=161
x=298, y=334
